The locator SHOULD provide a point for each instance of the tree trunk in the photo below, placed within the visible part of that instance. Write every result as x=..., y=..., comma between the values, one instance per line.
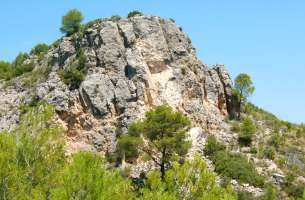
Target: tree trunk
x=239, y=109
x=162, y=170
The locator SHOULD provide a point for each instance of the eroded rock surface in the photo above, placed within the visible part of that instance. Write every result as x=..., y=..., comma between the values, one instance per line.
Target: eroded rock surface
x=133, y=64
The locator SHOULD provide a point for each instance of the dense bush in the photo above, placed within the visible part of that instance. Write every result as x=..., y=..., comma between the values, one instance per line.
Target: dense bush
x=71, y=22
x=212, y=146
x=293, y=189
x=87, y=177
x=237, y=167
x=247, y=131
x=31, y=156
x=134, y=13
x=231, y=165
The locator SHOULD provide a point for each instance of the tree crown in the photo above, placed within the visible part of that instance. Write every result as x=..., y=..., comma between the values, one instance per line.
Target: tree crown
x=244, y=86
x=71, y=22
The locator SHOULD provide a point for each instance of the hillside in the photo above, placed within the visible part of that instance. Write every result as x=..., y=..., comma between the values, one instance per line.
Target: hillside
x=109, y=73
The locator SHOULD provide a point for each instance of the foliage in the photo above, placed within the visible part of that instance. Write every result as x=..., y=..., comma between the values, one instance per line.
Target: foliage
x=292, y=189
x=191, y=180
x=134, y=13
x=115, y=18
x=243, y=88
x=16, y=68
x=88, y=178
x=41, y=48
x=245, y=196
x=128, y=146
x=235, y=166
x=31, y=156
x=75, y=74
x=71, y=77
x=275, y=140
x=71, y=22
x=261, y=115
x=6, y=71
x=247, y=131
x=37, y=75
x=269, y=152
x=270, y=193
x=164, y=132
x=212, y=146
x=34, y=166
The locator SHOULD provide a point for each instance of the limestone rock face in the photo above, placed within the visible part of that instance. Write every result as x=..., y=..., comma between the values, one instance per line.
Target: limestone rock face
x=133, y=65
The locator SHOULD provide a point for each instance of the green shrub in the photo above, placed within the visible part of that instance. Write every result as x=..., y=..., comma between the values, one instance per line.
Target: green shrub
x=91, y=23
x=32, y=156
x=190, y=180
x=269, y=152
x=128, y=146
x=253, y=150
x=237, y=167
x=19, y=67
x=71, y=77
x=275, y=140
x=71, y=22
x=16, y=68
x=234, y=166
x=235, y=127
x=115, y=18
x=172, y=20
x=6, y=70
x=245, y=196
x=247, y=131
x=75, y=74
x=40, y=49
x=87, y=177
x=212, y=146
x=292, y=189
x=37, y=75
x=134, y=13
x=270, y=193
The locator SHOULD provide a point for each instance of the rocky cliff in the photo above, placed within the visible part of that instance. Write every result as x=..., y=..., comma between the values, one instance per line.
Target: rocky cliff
x=133, y=64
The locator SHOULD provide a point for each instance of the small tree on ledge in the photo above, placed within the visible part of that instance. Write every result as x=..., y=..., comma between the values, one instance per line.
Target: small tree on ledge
x=161, y=135
x=243, y=88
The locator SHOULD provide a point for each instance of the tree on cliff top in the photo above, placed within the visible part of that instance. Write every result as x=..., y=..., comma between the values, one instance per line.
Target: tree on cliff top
x=71, y=22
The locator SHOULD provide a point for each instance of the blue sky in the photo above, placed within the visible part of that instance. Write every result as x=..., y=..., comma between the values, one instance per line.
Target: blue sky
x=265, y=39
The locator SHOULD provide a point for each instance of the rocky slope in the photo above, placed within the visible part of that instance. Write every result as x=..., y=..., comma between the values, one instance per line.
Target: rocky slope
x=133, y=64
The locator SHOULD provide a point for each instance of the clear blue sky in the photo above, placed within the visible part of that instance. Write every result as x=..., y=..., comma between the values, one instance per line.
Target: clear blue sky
x=265, y=39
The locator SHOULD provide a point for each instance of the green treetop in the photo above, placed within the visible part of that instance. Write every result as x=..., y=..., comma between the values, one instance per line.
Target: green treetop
x=71, y=22
x=243, y=89
x=161, y=135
